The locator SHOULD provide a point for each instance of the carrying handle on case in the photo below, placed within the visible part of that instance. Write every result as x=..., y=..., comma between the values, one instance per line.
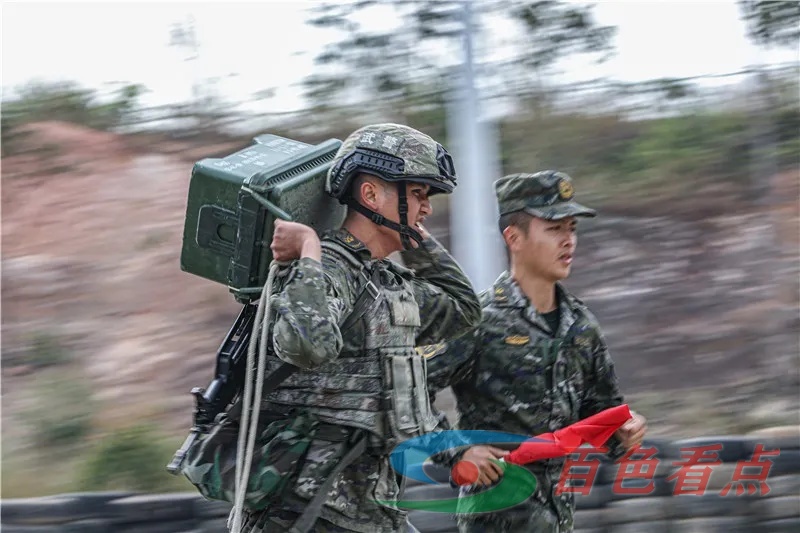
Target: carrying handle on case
x=269, y=206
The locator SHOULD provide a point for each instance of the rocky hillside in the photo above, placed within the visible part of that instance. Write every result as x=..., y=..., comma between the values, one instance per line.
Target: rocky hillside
x=696, y=307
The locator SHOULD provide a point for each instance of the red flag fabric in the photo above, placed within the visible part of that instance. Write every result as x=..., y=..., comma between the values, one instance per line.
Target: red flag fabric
x=594, y=430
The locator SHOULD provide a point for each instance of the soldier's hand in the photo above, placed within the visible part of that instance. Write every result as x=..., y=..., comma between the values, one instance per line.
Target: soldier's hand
x=422, y=231
x=419, y=228
x=291, y=240
x=633, y=431
x=485, y=458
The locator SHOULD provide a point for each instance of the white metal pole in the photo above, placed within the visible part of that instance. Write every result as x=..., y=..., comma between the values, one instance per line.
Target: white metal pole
x=473, y=214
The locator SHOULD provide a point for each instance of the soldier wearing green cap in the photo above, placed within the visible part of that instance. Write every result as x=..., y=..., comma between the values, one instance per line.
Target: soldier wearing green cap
x=350, y=319
x=538, y=361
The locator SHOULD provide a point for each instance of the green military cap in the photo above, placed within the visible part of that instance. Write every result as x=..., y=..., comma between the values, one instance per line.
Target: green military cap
x=547, y=194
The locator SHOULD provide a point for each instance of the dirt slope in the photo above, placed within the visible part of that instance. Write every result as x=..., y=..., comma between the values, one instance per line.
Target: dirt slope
x=91, y=255
x=92, y=228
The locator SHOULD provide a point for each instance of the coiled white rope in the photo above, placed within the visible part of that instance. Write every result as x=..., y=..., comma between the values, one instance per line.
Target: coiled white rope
x=251, y=400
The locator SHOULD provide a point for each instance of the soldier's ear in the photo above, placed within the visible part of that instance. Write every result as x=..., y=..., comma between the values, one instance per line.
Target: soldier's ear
x=512, y=237
x=368, y=193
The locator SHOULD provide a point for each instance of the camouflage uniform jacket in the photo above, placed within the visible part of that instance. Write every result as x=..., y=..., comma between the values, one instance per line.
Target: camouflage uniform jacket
x=431, y=301
x=514, y=374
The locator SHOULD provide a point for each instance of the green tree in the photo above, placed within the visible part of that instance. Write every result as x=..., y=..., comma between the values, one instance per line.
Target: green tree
x=69, y=102
x=412, y=63
x=772, y=22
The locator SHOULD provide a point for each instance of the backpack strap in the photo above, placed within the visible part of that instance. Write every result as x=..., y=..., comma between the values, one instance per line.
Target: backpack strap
x=369, y=289
x=369, y=293
x=314, y=508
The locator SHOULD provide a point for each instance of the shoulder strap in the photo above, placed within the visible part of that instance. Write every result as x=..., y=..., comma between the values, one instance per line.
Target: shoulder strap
x=369, y=293
x=369, y=289
x=314, y=508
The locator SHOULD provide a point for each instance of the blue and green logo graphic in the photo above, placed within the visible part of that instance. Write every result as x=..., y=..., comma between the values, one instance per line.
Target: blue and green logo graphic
x=408, y=459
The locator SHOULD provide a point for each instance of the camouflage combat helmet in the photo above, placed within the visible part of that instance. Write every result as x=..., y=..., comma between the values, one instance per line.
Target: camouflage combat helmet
x=394, y=153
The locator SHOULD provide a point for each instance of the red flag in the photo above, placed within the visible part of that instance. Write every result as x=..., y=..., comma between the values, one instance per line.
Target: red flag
x=594, y=430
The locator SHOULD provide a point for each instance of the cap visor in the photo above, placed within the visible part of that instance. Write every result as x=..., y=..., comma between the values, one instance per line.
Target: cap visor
x=559, y=211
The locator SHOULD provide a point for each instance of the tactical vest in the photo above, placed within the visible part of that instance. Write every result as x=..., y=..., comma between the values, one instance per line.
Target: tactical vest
x=380, y=386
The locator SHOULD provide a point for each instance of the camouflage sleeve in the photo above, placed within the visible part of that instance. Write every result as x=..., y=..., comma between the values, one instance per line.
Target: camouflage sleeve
x=452, y=363
x=448, y=306
x=603, y=392
x=308, y=312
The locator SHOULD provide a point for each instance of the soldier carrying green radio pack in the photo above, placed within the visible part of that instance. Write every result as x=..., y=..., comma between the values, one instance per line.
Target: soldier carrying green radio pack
x=350, y=319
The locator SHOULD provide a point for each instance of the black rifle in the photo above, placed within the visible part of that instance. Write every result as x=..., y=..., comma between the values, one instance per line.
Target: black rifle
x=232, y=363
x=228, y=380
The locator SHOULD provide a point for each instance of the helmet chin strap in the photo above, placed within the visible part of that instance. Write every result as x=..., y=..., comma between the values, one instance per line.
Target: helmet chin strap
x=406, y=232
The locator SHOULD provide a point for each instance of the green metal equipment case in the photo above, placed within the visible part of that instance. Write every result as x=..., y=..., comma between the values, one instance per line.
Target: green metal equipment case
x=233, y=203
